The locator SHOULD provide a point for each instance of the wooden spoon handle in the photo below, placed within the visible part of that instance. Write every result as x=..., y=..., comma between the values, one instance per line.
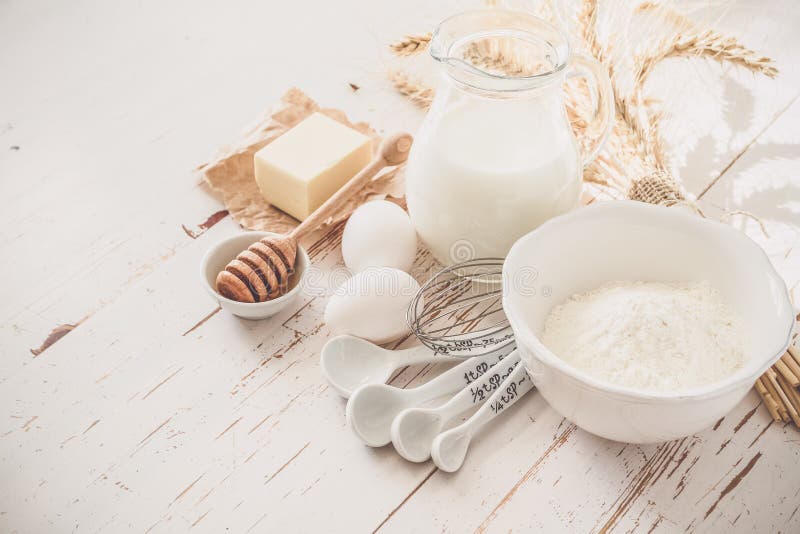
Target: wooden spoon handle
x=393, y=151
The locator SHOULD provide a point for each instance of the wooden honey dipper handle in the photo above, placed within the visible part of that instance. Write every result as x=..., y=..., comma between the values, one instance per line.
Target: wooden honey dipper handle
x=262, y=271
x=393, y=151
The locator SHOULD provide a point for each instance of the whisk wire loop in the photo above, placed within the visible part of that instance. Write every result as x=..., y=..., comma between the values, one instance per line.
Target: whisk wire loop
x=459, y=310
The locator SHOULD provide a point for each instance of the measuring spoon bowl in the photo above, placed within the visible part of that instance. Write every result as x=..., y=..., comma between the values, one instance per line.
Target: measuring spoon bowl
x=349, y=362
x=449, y=449
x=372, y=407
x=414, y=429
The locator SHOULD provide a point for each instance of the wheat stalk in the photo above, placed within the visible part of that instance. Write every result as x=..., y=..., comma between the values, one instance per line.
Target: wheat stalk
x=689, y=42
x=625, y=109
x=587, y=21
x=411, y=44
x=497, y=56
x=419, y=93
x=709, y=44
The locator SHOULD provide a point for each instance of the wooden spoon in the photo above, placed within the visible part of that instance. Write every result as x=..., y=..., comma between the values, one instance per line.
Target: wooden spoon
x=262, y=271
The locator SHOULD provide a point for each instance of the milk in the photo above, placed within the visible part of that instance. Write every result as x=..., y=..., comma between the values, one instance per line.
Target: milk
x=485, y=171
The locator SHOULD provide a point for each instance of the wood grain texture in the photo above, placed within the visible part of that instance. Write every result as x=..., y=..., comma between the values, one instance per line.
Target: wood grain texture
x=161, y=413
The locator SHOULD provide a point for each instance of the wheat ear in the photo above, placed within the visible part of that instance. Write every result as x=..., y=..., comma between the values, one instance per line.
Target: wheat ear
x=708, y=44
x=411, y=44
x=416, y=91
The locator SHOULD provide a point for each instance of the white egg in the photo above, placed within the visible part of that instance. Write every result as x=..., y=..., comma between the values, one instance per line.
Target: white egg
x=372, y=304
x=379, y=234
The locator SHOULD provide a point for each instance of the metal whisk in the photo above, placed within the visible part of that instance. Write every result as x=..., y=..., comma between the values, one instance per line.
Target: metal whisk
x=459, y=312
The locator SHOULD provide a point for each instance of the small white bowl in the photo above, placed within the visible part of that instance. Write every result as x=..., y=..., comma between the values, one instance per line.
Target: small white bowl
x=627, y=240
x=218, y=257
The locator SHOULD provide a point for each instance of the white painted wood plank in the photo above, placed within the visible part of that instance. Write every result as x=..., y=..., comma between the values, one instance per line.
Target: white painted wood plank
x=766, y=183
x=125, y=424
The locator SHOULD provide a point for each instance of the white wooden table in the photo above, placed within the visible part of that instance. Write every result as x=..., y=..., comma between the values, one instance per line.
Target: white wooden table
x=156, y=413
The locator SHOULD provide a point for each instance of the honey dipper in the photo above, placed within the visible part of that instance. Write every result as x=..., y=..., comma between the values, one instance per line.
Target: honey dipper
x=261, y=272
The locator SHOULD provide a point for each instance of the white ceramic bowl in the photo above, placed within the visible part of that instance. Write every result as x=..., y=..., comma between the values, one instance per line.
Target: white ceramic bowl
x=218, y=257
x=627, y=240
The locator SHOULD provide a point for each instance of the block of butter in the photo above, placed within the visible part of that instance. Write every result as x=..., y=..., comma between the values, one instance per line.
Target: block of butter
x=304, y=167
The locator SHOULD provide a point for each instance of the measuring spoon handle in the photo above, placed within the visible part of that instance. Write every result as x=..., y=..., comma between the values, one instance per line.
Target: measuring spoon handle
x=517, y=384
x=480, y=390
x=449, y=448
x=461, y=375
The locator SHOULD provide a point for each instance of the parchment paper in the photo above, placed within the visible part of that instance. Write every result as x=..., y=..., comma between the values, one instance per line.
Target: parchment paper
x=231, y=173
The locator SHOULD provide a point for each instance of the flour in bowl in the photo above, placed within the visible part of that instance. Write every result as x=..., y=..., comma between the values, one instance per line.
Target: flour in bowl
x=645, y=335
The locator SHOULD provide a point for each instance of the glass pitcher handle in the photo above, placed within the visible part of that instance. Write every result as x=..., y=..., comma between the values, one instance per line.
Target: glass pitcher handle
x=602, y=99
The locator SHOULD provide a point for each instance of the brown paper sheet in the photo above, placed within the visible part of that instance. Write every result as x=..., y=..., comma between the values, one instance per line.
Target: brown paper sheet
x=231, y=174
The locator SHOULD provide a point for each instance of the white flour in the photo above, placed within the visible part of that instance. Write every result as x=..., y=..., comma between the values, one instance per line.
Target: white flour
x=653, y=336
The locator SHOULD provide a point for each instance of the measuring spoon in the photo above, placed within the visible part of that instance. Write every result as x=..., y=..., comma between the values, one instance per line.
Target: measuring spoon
x=414, y=429
x=372, y=407
x=450, y=447
x=349, y=362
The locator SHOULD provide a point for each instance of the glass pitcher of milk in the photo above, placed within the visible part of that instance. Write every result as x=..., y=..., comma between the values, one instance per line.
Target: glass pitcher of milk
x=496, y=156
